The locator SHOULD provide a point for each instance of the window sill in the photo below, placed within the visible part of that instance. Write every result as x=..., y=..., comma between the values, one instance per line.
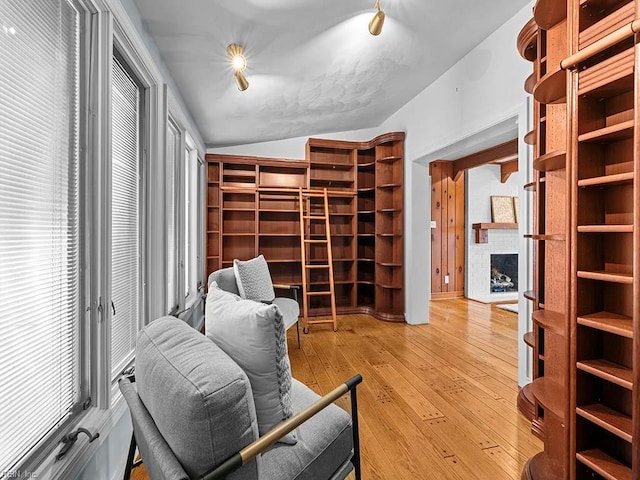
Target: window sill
x=96, y=420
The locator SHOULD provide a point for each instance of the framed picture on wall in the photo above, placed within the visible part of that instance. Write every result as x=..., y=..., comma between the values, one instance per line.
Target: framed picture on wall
x=502, y=210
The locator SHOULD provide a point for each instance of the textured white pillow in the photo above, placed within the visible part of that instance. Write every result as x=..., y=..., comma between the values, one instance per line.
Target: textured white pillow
x=253, y=335
x=254, y=280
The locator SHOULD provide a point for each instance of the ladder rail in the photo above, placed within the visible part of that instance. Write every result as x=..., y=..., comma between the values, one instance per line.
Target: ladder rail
x=332, y=287
x=303, y=254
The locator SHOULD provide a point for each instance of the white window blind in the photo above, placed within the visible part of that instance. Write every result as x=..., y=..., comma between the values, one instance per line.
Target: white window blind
x=125, y=217
x=173, y=149
x=39, y=223
x=188, y=223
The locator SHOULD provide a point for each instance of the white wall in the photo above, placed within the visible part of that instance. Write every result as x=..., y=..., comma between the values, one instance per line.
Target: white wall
x=482, y=183
x=482, y=90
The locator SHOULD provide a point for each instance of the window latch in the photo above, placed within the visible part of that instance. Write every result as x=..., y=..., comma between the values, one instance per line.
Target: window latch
x=113, y=308
x=70, y=438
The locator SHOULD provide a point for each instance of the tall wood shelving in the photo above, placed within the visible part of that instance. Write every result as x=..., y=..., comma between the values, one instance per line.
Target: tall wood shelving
x=590, y=338
x=258, y=214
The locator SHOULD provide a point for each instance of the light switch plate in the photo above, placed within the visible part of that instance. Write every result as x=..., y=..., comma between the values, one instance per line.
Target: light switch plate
x=433, y=224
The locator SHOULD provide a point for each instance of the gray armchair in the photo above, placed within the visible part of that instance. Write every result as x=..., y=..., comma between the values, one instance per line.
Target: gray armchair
x=289, y=307
x=194, y=418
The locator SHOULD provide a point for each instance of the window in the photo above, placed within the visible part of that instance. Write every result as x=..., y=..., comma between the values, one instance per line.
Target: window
x=188, y=220
x=173, y=176
x=41, y=296
x=126, y=206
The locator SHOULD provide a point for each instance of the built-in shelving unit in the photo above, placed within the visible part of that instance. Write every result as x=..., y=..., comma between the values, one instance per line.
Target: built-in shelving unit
x=253, y=209
x=586, y=337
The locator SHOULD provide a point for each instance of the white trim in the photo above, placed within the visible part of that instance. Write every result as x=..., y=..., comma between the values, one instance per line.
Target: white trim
x=96, y=420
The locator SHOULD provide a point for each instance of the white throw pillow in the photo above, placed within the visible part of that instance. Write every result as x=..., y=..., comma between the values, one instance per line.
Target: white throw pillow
x=253, y=335
x=254, y=280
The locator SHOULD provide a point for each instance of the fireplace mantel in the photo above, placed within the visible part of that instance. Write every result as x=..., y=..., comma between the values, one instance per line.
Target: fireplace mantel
x=482, y=230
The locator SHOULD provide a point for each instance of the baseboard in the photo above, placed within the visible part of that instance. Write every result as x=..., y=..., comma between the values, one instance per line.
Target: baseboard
x=446, y=295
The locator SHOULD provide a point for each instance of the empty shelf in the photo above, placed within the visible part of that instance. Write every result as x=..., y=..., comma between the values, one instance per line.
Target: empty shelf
x=607, y=180
x=608, y=322
x=611, y=420
x=604, y=465
x=605, y=229
x=609, y=371
x=550, y=321
x=604, y=276
x=609, y=134
x=550, y=396
x=551, y=161
x=552, y=88
x=548, y=13
x=529, y=339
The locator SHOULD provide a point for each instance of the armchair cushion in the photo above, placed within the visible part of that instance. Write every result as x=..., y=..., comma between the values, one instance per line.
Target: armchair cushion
x=324, y=444
x=253, y=335
x=199, y=399
x=226, y=280
x=290, y=310
x=254, y=280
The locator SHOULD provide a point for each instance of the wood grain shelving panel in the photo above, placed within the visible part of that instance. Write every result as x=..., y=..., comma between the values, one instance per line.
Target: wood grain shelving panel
x=551, y=321
x=548, y=13
x=605, y=465
x=528, y=40
x=607, y=180
x=550, y=395
x=605, y=229
x=609, y=371
x=608, y=78
x=613, y=133
x=608, y=322
x=604, y=276
x=608, y=419
x=530, y=83
x=607, y=25
x=530, y=138
x=530, y=339
x=551, y=161
x=552, y=88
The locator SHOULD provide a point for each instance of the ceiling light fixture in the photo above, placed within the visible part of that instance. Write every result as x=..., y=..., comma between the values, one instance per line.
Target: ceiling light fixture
x=238, y=62
x=376, y=23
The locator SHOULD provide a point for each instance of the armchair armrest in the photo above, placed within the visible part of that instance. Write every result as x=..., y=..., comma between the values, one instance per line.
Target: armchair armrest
x=255, y=448
x=293, y=288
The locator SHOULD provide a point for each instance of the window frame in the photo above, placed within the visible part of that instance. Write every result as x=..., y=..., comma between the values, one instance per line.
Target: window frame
x=42, y=450
x=105, y=24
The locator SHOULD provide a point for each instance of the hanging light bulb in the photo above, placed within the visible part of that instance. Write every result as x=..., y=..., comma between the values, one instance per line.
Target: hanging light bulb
x=376, y=23
x=238, y=62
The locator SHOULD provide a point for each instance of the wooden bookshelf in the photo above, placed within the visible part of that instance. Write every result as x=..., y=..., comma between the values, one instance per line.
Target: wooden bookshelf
x=252, y=209
x=550, y=229
x=590, y=325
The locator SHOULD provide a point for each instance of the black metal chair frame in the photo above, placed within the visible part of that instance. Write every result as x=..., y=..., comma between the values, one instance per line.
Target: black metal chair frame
x=237, y=460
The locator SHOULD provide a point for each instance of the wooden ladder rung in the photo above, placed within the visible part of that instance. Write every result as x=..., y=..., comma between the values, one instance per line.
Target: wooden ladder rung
x=318, y=294
x=314, y=195
x=316, y=266
x=319, y=322
x=315, y=217
x=316, y=241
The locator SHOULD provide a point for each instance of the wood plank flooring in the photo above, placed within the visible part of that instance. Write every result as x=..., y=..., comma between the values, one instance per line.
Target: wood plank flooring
x=438, y=401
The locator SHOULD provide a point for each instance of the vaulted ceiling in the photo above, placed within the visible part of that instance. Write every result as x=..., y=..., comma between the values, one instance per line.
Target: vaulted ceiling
x=313, y=67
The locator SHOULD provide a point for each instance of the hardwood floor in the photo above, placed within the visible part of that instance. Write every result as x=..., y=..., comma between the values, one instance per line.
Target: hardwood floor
x=438, y=401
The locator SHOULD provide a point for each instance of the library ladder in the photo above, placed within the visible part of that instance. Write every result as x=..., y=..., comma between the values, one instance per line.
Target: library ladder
x=307, y=240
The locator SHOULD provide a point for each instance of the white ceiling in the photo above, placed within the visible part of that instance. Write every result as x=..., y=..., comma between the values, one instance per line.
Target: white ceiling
x=313, y=67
